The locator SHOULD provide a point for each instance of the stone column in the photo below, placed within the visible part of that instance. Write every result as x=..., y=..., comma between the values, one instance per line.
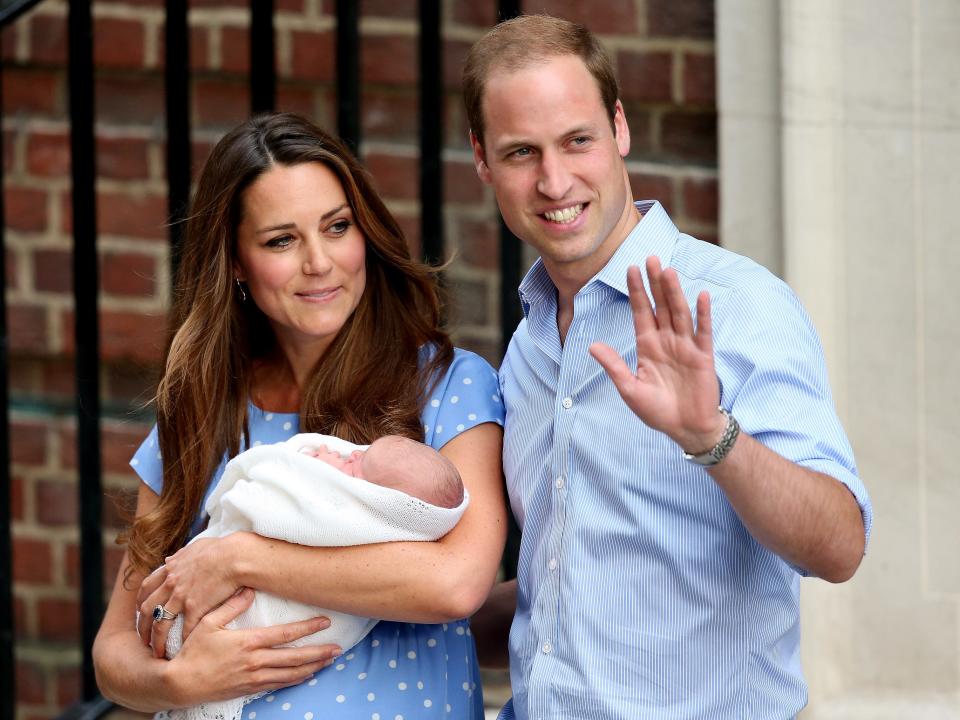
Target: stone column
x=868, y=170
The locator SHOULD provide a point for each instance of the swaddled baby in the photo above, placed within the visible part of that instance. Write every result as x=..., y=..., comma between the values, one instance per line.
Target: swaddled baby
x=323, y=491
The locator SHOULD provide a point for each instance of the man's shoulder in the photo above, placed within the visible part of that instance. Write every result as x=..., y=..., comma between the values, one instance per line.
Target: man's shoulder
x=719, y=270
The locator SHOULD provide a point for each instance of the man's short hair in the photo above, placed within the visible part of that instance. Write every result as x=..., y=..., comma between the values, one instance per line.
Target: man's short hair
x=523, y=41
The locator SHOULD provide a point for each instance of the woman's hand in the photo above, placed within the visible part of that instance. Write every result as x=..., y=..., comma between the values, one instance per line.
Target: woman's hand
x=216, y=663
x=192, y=582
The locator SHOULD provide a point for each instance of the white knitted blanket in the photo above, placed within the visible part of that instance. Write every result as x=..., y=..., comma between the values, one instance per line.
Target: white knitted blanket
x=279, y=492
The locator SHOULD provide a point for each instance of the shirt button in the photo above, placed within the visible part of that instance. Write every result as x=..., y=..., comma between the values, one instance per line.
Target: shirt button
x=567, y=403
x=560, y=483
x=552, y=564
x=547, y=648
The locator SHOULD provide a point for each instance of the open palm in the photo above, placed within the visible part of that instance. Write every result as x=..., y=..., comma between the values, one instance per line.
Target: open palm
x=674, y=387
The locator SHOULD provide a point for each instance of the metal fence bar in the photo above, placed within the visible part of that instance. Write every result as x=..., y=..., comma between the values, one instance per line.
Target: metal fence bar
x=348, y=73
x=263, y=64
x=511, y=251
x=177, y=99
x=8, y=689
x=87, y=331
x=431, y=131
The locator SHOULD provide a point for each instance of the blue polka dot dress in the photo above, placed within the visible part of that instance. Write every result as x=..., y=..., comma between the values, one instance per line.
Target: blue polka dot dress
x=399, y=671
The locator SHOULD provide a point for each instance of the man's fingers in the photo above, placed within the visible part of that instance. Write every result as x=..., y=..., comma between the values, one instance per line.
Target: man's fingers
x=679, y=310
x=614, y=365
x=643, y=319
x=704, y=337
x=654, y=277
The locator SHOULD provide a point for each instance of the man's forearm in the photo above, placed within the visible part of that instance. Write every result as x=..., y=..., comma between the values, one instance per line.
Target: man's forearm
x=491, y=625
x=807, y=518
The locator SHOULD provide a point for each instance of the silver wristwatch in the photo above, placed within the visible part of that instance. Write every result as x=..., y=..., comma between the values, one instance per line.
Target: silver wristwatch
x=719, y=451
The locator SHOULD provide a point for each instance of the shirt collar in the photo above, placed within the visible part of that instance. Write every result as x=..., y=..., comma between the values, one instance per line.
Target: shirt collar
x=654, y=234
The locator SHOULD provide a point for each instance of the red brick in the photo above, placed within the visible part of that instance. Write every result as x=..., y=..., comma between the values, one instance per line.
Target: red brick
x=701, y=199
x=20, y=620
x=8, y=138
x=390, y=116
x=680, y=18
x=220, y=103
x=612, y=16
x=32, y=92
x=699, y=79
x=10, y=269
x=454, y=58
x=8, y=43
x=299, y=100
x=199, y=48
x=292, y=6
x=479, y=242
x=28, y=328
x=58, y=620
x=646, y=76
x=471, y=12
x=69, y=686
x=25, y=209
x=130, y=383
x=125, y=100
x=56, y=503
x=218, y=3
x=461, y=184
x=16, y=497
x=689, y=136
x=389, y=8
x=128, y=274
x=235, y=49
x=652, y=187
x=48, y=154
x=389, y=60
x=32, y=561
x=130, y=216
x=395, y=177
x=111, y=563
x=57, y=377
x=48, y=39
x=118, y=43
x=122, y=158
x=31, y=683
x=639, y=121
x=410, y=226
x=116, y=448
x=53, y=271
x=28, y=442
x=312, y=56
x=123, y=336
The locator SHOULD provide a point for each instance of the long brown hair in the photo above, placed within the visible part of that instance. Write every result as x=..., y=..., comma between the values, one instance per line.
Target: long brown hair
x=370, y=382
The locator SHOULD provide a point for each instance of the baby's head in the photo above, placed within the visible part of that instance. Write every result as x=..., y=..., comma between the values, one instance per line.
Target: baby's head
x=402, y=464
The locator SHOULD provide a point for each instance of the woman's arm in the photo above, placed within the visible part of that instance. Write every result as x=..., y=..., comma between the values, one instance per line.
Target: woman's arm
x=213, y=664
x=412, y=581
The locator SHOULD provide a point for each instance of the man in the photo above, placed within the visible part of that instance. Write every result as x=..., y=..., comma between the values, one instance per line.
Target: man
x=662, y=542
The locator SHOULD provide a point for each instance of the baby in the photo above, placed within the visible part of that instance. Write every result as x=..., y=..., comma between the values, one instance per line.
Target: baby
x=396, y=462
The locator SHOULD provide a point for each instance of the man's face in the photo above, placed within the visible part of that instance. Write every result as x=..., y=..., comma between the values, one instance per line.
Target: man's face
x=556, y=165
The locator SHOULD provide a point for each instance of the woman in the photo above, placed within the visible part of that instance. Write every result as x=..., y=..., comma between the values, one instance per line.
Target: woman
x=298, y=308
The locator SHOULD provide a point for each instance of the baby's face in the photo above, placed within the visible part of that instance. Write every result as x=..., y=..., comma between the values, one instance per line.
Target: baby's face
x=351, y=465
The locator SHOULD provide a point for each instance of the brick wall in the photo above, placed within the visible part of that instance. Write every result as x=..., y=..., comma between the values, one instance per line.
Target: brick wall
x=665, y=57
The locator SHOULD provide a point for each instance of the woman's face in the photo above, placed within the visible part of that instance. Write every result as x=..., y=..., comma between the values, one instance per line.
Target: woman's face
x=301, y=255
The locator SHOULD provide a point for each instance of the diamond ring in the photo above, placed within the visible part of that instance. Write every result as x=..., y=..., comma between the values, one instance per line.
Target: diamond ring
x=161, y=613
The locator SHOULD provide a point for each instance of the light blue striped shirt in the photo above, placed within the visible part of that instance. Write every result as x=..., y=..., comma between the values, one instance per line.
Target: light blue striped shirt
x=640, y=592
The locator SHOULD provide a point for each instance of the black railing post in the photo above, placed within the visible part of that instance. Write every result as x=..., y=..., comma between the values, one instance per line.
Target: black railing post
x=511, y=251
x=263, y=65
x=8, y=689
x=348, y=73
x=177, y=87
x=87, y=331
x=431, y=131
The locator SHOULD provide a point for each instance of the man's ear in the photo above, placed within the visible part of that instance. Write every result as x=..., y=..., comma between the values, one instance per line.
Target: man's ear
x=621, y=130
x=479, y=159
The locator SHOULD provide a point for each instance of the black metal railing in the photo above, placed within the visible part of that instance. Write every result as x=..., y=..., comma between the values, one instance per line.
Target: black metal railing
x=178, y=163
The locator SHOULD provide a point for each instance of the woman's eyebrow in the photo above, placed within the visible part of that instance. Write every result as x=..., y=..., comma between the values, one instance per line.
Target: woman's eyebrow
x=291, y=226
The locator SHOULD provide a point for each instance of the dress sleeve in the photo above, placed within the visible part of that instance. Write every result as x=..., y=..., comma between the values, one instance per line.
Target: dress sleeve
x=466, y=396
x=147, y=462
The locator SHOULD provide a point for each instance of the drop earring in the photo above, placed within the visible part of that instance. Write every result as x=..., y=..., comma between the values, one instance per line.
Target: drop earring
x=243, y=294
